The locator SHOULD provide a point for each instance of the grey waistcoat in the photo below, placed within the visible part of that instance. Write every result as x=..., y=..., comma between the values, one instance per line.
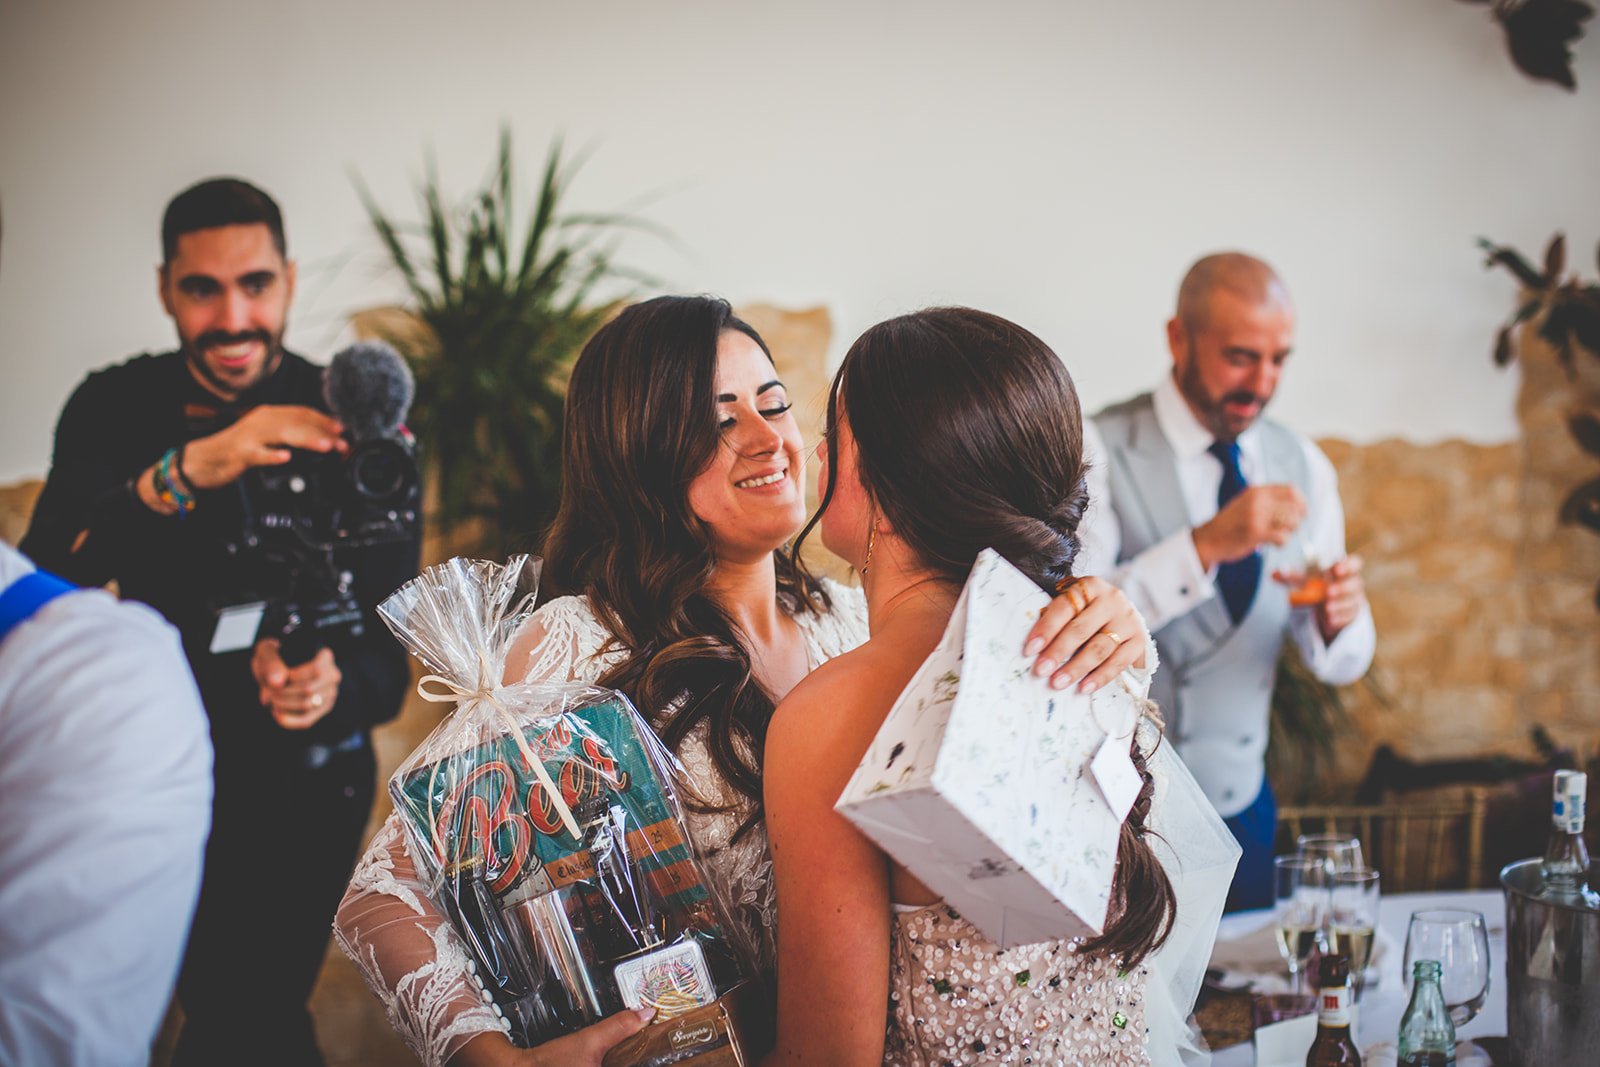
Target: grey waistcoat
x=1214, y=685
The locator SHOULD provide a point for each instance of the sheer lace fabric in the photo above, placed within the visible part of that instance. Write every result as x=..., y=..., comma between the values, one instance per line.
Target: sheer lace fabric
x=404, y=946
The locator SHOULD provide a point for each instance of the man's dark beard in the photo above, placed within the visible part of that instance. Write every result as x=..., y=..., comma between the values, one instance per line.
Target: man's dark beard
x=212, y=338
x=1211, y=412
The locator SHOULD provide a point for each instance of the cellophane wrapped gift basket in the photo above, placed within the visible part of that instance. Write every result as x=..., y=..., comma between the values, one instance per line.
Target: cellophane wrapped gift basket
x=546, y=820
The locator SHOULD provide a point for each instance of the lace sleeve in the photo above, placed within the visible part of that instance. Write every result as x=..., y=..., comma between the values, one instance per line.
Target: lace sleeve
x=409, y=955
x=404, y=946
x=561, y=642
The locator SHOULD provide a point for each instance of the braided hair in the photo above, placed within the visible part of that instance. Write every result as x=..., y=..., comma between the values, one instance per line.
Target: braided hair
x=969, y=435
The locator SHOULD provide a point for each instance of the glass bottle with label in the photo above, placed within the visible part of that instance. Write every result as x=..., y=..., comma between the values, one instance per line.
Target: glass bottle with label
x=1427, y=1035
x=1566, y=857
x=1334, y=1046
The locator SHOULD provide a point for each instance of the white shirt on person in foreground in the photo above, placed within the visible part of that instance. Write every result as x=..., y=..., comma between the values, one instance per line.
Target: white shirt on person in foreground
x=105, y=802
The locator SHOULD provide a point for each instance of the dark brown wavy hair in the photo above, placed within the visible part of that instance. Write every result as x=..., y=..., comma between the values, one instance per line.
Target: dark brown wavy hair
x=641, y=424
x=969, y=436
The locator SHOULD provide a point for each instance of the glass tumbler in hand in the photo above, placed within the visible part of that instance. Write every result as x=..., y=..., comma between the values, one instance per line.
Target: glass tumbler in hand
x=1308, y=585
x=1459, y=940
x=1299, y=908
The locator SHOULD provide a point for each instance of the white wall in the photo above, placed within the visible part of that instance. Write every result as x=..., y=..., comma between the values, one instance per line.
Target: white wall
x=1057, y=161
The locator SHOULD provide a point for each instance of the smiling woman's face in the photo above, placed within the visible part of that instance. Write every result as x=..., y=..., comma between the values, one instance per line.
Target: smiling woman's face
x=752, y=495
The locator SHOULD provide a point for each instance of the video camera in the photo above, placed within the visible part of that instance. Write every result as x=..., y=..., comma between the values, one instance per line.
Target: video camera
x=296, y=515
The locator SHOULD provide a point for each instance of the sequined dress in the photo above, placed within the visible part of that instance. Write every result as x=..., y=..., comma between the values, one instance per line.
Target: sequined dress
x=410, y=956
x=956, y=999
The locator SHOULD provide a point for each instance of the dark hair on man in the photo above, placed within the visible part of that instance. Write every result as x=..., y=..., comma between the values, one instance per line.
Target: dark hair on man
x=219, y=202
x=641, y=423
x=968, y=436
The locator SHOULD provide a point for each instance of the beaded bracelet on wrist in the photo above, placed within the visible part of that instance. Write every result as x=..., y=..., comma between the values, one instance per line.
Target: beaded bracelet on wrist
x=168, y=475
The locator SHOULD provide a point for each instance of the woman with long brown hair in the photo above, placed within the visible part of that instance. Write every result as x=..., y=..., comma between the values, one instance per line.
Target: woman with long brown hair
x=682, y=487
x=949, y=431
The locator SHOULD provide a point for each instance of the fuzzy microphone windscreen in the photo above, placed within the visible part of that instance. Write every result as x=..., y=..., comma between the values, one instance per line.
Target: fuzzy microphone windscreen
x=369, y=389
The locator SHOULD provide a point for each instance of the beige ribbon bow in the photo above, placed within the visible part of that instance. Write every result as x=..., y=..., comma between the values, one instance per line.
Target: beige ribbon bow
x=465, y=699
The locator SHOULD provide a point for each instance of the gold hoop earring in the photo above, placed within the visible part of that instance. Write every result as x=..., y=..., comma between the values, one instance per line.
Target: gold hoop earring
x=872, y=539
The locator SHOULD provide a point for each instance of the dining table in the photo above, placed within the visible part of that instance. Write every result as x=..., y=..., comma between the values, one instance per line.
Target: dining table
x=1383, y=1003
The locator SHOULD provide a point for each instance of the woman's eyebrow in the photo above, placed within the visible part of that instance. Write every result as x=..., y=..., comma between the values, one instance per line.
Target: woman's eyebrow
x=728, y=398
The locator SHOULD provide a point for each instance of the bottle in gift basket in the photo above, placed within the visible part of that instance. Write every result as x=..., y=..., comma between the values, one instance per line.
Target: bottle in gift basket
x=1566, y=857
x=1334, y=1046
x=1427, y=1034
x=520, y=988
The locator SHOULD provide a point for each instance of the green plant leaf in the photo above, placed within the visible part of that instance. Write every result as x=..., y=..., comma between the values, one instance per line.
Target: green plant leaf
x=1503, y=351
x=1511, y=260
x=1555, y=258
x=1307, y=718
x=503, y=322
x=1585, y=428
x=1582, y=506
x=1585, y=319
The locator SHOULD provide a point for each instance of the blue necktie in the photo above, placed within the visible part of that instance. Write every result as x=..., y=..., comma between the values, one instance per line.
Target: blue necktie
x=1236, y=581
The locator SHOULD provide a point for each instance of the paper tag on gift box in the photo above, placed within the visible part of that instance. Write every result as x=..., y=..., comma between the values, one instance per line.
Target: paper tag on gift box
x=1118, y=779
x=979, y=781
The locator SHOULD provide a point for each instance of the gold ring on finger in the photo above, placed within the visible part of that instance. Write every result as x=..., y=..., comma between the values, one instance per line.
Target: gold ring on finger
x=1113, y=635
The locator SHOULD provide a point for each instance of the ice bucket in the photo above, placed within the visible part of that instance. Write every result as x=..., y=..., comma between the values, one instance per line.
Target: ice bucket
x=1552, y=974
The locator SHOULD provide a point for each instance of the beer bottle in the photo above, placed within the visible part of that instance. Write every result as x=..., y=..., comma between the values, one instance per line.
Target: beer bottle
x=1427, y=1035
x=1334, y=1046
x=1566, y=858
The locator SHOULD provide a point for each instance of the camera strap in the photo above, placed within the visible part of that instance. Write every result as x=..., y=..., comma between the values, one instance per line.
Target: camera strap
x=27, y=595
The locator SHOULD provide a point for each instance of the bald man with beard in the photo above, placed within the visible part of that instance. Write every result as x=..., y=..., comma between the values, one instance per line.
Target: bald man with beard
x=1196, y=504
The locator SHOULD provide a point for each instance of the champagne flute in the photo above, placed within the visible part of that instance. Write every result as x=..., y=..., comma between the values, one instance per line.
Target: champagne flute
x=1353, y=918
x=1459, y=940
x=1300, y=904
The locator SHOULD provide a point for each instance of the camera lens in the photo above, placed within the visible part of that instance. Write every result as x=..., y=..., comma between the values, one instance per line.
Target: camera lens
x=381, y=470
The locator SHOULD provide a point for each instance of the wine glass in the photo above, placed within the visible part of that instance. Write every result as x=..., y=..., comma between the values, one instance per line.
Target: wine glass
x=1459, y=940
x=1338, y=852
x=1300, y=902
x=1353, y=918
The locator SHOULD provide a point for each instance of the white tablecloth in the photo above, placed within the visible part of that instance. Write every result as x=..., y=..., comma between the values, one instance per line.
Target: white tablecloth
x=1382, y=1006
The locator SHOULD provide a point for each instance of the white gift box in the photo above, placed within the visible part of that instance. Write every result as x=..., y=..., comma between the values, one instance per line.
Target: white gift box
x=980, y=783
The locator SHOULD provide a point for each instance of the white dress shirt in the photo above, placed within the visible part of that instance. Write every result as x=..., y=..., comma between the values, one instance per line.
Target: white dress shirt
x=105, y=801
x=1167, y=580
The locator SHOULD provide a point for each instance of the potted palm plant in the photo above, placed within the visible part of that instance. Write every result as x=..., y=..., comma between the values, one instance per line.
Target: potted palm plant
x=497, y=311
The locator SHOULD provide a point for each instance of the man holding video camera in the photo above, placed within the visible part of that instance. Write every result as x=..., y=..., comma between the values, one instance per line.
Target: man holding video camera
x=202, y=481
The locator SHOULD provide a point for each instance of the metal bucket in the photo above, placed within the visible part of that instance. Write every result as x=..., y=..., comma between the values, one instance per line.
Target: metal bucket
x=1552, y=974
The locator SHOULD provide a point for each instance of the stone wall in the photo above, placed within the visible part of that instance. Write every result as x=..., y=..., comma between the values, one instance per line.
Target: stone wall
x=1484, y=602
